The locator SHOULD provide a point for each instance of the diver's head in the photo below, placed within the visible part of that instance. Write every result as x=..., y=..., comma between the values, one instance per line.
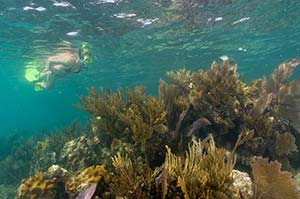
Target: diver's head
x=84, y=54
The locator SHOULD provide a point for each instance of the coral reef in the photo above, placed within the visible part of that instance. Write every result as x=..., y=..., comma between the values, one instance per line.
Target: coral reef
x=117, y=147
x=218, y=102
x=48, y=150
x=44, y=155
x=129, y=130
x=59, y=183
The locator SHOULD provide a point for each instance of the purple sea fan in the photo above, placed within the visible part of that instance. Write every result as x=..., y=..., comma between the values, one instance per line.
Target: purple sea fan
x=88, y=192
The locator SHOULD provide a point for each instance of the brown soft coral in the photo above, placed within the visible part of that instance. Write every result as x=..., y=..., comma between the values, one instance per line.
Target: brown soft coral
x=284, y=94
x=200, y=174
x=131, y=116
x=132, y=178
x=219, y=95
x=270, y=182
x=143, y=120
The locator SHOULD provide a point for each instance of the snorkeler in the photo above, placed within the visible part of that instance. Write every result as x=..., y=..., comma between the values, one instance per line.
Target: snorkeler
x=62, y=64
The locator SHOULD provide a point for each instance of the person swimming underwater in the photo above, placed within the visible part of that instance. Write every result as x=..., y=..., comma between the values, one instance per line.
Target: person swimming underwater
x=61, y=64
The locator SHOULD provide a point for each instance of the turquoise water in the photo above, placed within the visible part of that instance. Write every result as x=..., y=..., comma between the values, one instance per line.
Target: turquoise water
x=135, y=43
x=132, y=43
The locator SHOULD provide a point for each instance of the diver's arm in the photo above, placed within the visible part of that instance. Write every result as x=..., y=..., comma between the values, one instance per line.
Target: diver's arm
x=50, y=81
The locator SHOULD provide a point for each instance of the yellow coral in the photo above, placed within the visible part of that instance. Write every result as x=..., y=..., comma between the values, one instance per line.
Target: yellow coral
x=39, y=186
x=90, y=175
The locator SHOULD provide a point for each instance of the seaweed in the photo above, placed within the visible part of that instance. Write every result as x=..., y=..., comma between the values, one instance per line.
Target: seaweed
x=174, y=96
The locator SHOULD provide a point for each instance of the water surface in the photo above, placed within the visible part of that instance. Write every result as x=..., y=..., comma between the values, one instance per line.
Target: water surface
x=133, y=43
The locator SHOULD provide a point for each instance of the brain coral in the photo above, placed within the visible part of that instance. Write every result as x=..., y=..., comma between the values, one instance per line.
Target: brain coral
x=39, y=186
x=88, y=176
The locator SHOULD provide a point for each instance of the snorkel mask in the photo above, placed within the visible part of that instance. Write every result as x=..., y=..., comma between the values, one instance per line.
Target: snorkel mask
x=84, y=53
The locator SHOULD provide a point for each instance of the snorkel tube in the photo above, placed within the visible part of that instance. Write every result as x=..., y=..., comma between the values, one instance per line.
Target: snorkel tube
x=84, y=53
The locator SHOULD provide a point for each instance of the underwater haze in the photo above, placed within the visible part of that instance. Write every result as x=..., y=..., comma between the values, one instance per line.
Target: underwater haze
x=146, y=99
x=132, y=43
